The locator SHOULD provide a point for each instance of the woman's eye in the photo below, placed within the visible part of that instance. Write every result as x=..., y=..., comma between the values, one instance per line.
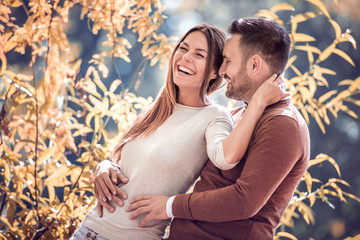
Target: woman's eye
x=182, y=48
x=200, y=55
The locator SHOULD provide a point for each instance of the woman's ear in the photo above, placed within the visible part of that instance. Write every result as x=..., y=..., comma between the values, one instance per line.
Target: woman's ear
x=213, y=75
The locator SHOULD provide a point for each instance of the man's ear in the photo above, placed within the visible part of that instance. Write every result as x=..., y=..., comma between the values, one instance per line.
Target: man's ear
x=254, y=65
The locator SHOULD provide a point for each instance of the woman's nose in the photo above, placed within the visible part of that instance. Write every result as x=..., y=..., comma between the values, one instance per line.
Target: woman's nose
x=187, y=57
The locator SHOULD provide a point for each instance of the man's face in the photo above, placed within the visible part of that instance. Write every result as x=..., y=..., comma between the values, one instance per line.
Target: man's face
x=239, y=85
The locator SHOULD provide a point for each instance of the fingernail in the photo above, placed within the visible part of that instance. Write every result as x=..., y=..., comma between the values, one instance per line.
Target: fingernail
x=112, y=210
x=124, y=197
x=104, y=199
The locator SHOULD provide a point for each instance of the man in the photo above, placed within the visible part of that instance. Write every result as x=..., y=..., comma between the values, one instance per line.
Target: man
x=247, y=201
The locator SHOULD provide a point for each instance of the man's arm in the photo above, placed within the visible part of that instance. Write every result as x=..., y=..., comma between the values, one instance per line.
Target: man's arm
x=274, y=152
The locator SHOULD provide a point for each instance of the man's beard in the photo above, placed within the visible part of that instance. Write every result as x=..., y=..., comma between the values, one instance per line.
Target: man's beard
x=239, y=86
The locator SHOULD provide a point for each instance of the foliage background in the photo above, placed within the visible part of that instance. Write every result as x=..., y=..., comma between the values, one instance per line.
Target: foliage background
x=77, y=124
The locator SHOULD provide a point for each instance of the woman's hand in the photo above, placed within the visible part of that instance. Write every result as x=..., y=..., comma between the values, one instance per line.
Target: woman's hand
x=107, y=175
x=270, y=92
x=154, y=205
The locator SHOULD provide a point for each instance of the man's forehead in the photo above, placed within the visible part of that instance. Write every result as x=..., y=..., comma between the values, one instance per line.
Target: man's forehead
x=231, y=44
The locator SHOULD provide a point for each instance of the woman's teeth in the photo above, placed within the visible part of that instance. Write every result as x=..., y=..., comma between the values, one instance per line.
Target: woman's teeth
x=186, y=70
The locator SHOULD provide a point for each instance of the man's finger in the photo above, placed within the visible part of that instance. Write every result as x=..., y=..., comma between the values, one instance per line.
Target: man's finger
x=107, y=206
x=99, y=209
x=122, y=177
x=136, y=205
x=146, y=219
x=139, y=211
x=140, y=198
x=118, y=201
x=120, y=193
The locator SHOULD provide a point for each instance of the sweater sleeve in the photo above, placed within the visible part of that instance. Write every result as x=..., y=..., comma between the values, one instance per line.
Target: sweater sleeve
x=275, y=150
x=217, y=130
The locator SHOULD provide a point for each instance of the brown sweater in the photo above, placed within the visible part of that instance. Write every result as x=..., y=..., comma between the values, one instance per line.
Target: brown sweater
x=248, y=201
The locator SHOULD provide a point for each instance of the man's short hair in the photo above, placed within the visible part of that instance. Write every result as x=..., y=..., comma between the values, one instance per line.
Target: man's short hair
x=265, y=38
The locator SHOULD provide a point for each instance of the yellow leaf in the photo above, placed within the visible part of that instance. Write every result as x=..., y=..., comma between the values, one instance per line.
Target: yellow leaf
x=326, y=53
x=353, y=197
x=282, y=7
x=96, y=123
x=47, y=153
x=60, y=172
x=321, y=7
x=308, y=48
x=97, y=103
x=287, y=235
x=312, y=199
x=308, y=181
x=88, y=118
x=114, y=85
x=344, y=56
x=319, y=122
x=263, y=13
x=345, y=82
x=301, y=37
x=348, y=111
x=303, y=17
x=98, y=82
x=336, y=28
x=51, y=191
x=291, y=61
x=327, y=96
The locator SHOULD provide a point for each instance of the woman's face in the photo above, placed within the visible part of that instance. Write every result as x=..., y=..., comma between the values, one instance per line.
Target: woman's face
x=189, y=62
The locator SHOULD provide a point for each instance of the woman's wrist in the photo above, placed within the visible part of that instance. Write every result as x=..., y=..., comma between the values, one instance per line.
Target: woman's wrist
x=258, y=104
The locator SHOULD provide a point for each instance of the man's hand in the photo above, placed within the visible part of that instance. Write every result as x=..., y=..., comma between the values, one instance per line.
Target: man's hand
x=106, y=178
x=154, y=205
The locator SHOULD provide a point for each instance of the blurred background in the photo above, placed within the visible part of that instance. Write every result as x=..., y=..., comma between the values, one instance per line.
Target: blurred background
x=341, y=141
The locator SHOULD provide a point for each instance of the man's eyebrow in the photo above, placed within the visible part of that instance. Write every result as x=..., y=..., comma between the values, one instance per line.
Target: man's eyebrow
x=197, y=49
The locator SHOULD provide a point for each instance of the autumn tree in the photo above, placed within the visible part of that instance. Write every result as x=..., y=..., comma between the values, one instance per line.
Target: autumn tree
x=54, y=121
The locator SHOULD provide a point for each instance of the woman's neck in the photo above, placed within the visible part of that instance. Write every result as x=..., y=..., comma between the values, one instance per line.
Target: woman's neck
x=193, y=100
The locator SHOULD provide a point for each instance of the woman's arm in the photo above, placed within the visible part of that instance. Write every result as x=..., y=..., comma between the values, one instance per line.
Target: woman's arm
x=236, y=144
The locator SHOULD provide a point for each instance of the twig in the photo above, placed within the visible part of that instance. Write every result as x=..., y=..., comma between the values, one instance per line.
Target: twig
x=39, y=232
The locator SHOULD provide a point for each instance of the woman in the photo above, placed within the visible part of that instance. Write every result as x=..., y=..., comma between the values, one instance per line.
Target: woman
x=165, y=149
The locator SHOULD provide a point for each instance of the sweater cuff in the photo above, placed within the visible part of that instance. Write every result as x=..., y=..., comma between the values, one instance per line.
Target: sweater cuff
x=180, y=206
x=169, y=207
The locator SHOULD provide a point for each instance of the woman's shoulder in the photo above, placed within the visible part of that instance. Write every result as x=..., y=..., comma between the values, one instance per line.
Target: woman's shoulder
x=217, y=110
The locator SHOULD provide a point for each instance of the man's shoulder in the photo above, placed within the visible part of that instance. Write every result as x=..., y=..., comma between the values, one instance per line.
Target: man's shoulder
x=283, y=108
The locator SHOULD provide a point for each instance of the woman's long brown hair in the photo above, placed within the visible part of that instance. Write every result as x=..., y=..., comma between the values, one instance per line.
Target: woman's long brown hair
x=163, y=106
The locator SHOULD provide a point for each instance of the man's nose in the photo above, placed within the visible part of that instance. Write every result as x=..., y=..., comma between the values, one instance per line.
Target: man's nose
x=222, y=70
